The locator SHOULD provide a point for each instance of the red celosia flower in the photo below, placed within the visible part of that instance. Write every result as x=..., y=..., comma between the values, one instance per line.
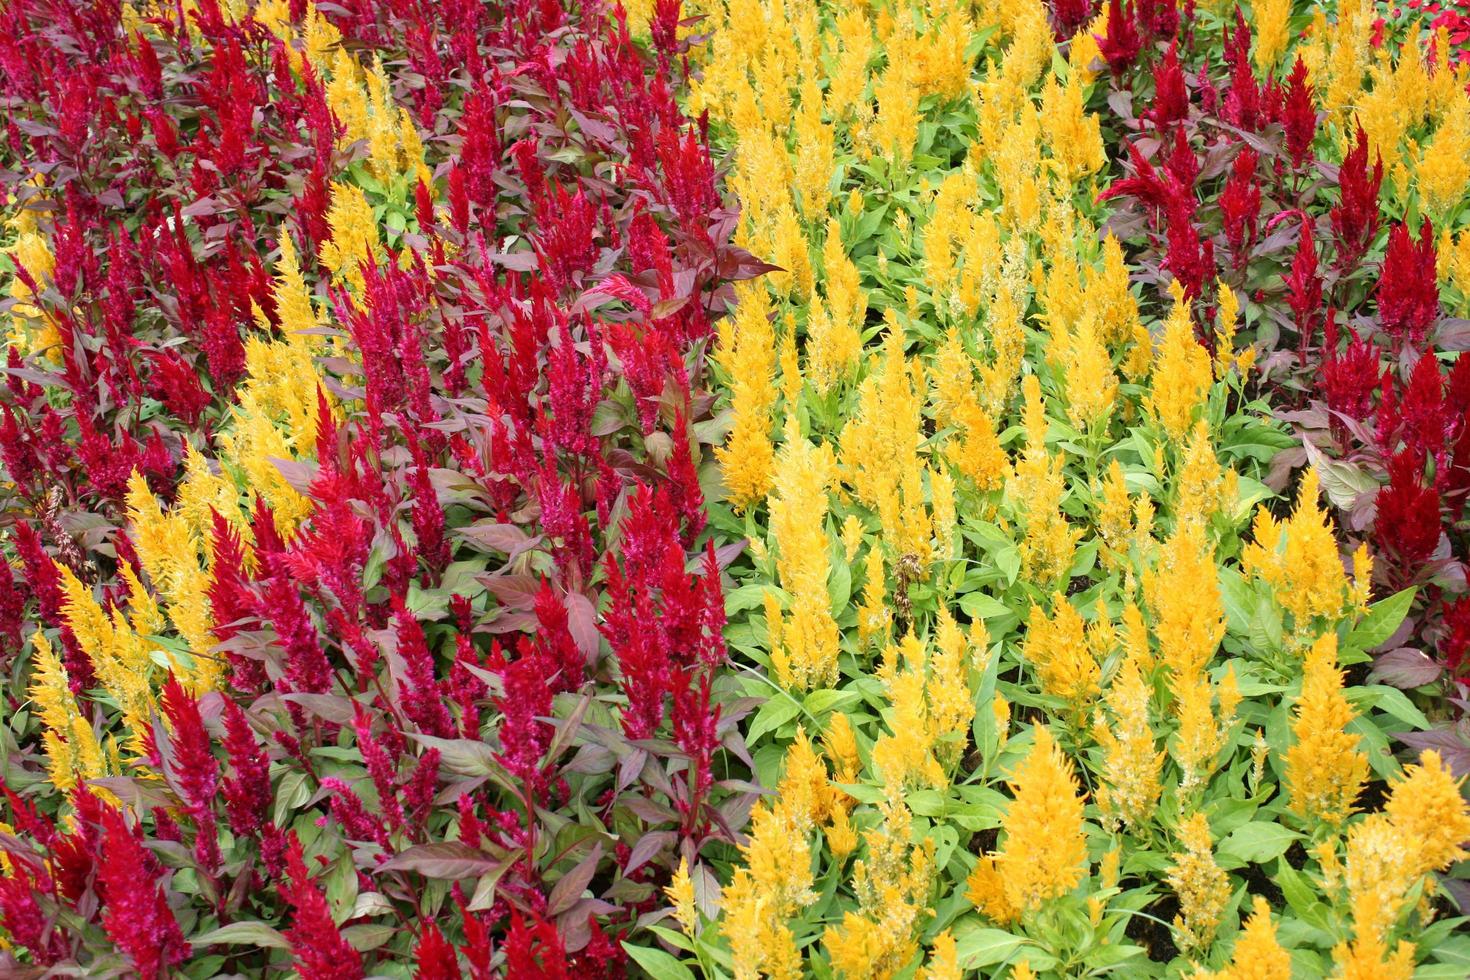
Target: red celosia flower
x=423, y=701
x=380, y=766
x=1299, y=115
x=1408, y=292
x=1069, y=15
x=1355, y=215
x=176, y=383
x=1121, y=45
x=434, y=956
x=1425, y=426
x=1304, y=290
x=534, y=950
x=1408, y=521
x=1171, y=98
x=247, y=792
x=194, y=770
x=23, y=920
x=319, y=950
x=1348, y=378
x=1240, y=204
x=136, y=913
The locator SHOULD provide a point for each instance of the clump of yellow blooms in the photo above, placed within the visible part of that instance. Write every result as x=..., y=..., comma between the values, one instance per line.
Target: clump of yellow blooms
x=1181, y=374
x=1200, y=884
x=804, y=644
x=73, y=753
x=1298, y=558
x=1044, y=854
x=32, y=330
x=748, y=354
x=354, y=238
x=1257, y=955
x=1325, y=768
x=1131, y=771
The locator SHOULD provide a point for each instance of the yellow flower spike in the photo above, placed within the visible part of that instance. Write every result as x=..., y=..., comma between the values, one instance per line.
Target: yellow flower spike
x=1181, y=375
x=814, y=145
x=906, y=757
x=1202, y=887
x=1257, y=954
x=354, y=236
x=798, y=511
x=834, y=332
x=1090, y=382
x=873, y=616
x=1057, y=648
x=1325, y=767
x=789, y=251
x=1201, y=734
x=1427, y=807
x=1200, y=483
x=1228, y=313
x=1133, y=762
x=1271, y=22
x=1074, y=135
x=1183, y=593
x=1298, y=558
x=944, y=959
x=747, y=458
x=1045, y=851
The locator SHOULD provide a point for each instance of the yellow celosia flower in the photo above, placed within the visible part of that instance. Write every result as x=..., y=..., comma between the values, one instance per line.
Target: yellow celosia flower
x=944, y=959
x=892, y=885
x=680, y=893
x=1045, y=851
x=834, y=331
x=119, y=656
x=748, y=354
x=1200, y=884
x=1183, y=592
x=1443, y=172
x=354, y=236
x=72, y=752
x=1181, y=375
x=906, y=758
x=1364, y=959
x=1202, y=732
x=807, y=655
x=1325, y=768
x=1091, y=383
x=1074, y=135
x=1271, y=22
x=1038, y=485
x=814, y=143
x=1055, y=646
x=1133, y=762
x=1299, y=559
x=1427, y=807
x=1257, y=955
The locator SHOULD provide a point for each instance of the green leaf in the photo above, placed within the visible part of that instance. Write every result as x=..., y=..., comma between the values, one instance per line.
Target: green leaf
x=1256, y=843
x=244, y=934
x=986, y=947
x=820, y=702
x=660, y=965
x=771, y=716
x=1383, y=618
x=978, y=605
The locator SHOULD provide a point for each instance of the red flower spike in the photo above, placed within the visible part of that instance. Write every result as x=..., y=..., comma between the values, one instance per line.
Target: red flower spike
x=317, y=946
x=434, y=956
x=136, y=913
x=1408, y=291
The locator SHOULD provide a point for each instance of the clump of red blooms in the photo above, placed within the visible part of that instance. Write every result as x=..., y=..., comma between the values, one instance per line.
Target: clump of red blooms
x=475, y=697
x=1223, y=184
